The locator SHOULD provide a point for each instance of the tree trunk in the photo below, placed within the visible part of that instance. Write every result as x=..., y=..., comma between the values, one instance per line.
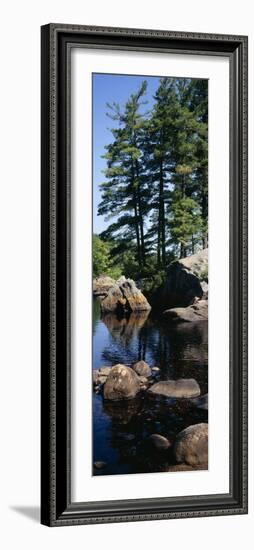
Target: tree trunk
x=137, y=235
x=183, y=251
x=162, y=217
x=136, y=214
x=192, y=245
x=141, y=221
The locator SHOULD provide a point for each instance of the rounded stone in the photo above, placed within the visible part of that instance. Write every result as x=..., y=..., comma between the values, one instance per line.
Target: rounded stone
x=191, y=445
x=142, y=369
x=99, y=464
x=121, y=383
x=181, y=388
x=158, y=442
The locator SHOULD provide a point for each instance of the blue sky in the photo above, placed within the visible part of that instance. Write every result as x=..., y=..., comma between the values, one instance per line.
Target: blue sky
x=106, y=89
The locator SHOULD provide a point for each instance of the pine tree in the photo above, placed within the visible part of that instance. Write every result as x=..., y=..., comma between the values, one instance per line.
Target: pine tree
x=185, y=195
x=123, y=194
x=159, y=158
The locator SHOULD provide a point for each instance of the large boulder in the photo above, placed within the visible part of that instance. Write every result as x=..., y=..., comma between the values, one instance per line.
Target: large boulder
x=121, y=383
x=114, y=301
x=124, y=297
x=190, y=314
x=191, y=445
x=181, y=388
x=183, y=282
x=101, y=285
x=135, y=299
x=142, y=369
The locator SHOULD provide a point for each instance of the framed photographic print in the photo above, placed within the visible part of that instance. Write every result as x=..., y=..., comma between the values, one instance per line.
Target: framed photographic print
x=144, y=222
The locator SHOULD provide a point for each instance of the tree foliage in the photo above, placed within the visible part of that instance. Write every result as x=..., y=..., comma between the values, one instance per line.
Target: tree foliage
x=155, y=193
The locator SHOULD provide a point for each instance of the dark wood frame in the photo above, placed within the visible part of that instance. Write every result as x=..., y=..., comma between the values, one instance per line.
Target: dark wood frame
x=56, y=506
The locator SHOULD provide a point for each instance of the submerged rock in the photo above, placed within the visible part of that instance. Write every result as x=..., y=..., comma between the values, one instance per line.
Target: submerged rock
x=158, y=442
x=190, y=314
x=191, y=445
x=142, y=369
x=121, y=383
x=181, y=388
x=99, y=464
x=124, y=297
x=201, y=402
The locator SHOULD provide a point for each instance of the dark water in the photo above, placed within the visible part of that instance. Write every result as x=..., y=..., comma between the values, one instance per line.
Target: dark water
x=119, y=429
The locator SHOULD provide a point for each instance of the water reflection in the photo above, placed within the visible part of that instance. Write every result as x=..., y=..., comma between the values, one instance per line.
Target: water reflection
x=119, y=428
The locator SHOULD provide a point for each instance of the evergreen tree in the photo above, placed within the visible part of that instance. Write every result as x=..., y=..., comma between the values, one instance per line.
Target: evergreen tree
x=123, y=194
x=159, y=158
x=156, y=188
x=185, y=179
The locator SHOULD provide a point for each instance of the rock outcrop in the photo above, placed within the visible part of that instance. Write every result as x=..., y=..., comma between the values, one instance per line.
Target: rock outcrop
x=191, y=445
x=190, y=314
x=183, y=282
x=101, y=285
x=124, y=297
x=181, y=388
x=121, y=383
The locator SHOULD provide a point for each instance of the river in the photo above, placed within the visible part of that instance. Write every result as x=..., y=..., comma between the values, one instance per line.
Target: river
x=119, y=429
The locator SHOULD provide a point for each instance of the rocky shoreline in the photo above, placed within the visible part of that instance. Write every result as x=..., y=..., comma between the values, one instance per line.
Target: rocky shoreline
x=181, y=300
x=121, y=383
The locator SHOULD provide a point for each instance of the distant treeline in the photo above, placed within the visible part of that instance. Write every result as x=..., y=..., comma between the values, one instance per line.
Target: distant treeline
x=155, y=193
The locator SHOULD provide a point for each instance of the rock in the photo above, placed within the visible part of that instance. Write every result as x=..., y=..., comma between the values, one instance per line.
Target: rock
x=124, y=297
x=204, y=287
x=114, y=301
x=143, y=380
x=181, y=388
x=144, y=383
x=98, y=378
x=129, y=437
x=121, y=383
x=191, y=445
x=135, y=299
x=104, y=371
x=158, y=442
x=99, y=464
x=201, y=402
x=142, y=369
x=183, y=282
x=101, y=285
x=190, y=314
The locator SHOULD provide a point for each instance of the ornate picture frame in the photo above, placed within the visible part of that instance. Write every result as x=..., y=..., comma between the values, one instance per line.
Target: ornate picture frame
x=57, y=507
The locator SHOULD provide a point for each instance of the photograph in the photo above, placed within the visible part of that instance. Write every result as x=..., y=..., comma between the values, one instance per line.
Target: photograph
x=150, y=250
